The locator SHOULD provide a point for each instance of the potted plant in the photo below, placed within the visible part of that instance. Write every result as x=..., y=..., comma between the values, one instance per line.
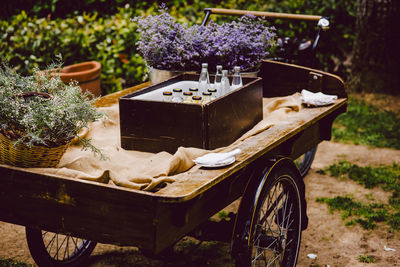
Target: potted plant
x=40, y=116
x=167, y=45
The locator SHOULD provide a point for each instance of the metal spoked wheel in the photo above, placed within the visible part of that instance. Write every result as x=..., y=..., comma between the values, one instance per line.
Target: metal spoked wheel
x=304, y=161
x=272, y=235
x=51, y=249
x=276, y=230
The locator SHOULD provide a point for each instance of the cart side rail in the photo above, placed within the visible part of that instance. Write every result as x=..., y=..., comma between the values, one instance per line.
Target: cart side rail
x=281, y=79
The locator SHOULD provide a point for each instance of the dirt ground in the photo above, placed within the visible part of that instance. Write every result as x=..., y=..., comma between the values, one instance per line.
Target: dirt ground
x=334, y=243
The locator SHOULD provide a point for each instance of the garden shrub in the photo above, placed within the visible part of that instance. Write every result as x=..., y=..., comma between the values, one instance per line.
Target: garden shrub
x=28, y=41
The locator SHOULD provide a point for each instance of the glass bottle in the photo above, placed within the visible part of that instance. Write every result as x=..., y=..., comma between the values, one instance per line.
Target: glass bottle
x=237, y=78
x=177, y=95
x=204, y=80
x=225, y=86
x=194, y=90
x=206, y=97
x=218, y=77
x=213, y=92
x=167, y=96
x=196, y=99
x=187, y=97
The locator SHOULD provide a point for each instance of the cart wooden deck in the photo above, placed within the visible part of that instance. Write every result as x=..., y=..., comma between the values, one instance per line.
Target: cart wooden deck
x=155, y=221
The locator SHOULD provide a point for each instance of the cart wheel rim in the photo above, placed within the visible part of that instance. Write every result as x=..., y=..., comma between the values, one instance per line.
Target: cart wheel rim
x=63, y=248
x=305, y=161
x=277, y=229
x=53, y=249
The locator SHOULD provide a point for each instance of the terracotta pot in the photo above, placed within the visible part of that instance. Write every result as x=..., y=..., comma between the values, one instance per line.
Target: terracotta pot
x=87, y=74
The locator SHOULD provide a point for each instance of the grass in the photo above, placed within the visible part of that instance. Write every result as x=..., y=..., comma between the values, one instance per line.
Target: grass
x=387, y=177
x=366, y=258
x=13, y=263
x=367, y=215
x=367, y=125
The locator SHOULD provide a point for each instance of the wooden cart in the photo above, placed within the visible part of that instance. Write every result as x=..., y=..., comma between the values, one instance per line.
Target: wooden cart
x=272, y=210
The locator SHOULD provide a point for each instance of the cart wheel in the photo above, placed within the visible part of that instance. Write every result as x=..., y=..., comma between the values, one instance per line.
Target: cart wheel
x=271, y=234
x=51, y=249
x=304, y=161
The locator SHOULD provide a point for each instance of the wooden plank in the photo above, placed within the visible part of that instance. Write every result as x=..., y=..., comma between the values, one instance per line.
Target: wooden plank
x=199, y=180
x=178, y=219
x=113, y=98
x=85, y=209
x=275, y=15
x=153, y=126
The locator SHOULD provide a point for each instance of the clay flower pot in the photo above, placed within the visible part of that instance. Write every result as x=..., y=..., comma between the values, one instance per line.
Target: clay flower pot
x=87, y=74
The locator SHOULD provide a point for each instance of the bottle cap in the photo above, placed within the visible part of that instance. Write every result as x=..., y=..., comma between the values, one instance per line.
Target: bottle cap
x=194, y=89
x=196, y=97
x=204, y=65
x=177, y=90
x=207, y=93
x=212, y=90
x=187, y=93
x=167, y=93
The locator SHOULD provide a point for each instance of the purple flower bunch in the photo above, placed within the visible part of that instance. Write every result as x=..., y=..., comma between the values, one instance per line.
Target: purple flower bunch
x=167, y=44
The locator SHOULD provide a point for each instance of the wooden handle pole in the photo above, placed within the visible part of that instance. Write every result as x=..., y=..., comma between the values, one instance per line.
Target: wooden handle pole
x=224, y=11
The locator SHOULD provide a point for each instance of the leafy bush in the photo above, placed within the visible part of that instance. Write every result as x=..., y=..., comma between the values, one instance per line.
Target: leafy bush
x=67, y=8
x=29, y=42
x=335, y=45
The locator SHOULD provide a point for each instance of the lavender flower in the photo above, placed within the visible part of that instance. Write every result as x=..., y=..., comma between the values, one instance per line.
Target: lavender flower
x=166, y=44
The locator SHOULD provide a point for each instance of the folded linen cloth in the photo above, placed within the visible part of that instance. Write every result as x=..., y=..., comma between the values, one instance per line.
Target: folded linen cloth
x=216, y=158
x=317, y=99
x=143, y=170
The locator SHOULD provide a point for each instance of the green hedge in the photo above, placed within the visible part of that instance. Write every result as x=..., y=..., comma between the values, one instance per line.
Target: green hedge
x=67, y=8
x=28, y=41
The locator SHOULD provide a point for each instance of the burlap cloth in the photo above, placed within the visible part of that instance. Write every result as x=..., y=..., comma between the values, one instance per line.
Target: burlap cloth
x=142, y=170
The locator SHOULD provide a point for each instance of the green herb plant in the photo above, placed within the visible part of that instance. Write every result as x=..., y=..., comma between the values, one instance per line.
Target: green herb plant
x=40, y=110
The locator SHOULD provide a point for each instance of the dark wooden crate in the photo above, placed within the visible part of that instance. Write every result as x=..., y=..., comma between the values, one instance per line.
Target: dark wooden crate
x=156, y=126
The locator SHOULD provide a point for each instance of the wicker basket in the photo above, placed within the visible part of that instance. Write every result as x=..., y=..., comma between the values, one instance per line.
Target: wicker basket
x=24, y=156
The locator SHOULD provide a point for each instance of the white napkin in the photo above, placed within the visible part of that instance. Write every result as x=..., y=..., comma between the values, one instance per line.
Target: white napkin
x=216, y=158
x=317, y=99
